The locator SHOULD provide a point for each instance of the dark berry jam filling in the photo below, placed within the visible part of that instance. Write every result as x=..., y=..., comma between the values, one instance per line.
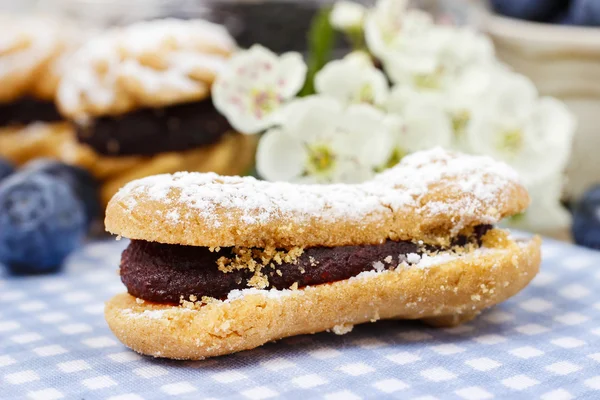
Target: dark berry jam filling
x=165, y=273
x=26, y=111
x=151, y=131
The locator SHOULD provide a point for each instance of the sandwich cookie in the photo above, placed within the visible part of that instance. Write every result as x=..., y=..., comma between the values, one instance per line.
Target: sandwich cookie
x=32, y=52
x=220, y=264
x=139, y=98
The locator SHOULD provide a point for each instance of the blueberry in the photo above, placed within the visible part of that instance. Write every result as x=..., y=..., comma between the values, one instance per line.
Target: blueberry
x=6, y=168
x=41, y=222
x=532, y=10
x=83, y=184
x=586, y=219
x=563, y=18
x=585, y=12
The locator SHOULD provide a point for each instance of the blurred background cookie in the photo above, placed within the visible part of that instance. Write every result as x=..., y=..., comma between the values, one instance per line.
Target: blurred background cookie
x=139, y=100
x=32, y=52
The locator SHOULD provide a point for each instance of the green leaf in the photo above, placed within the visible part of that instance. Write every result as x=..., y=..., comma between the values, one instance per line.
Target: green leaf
x=321, y=40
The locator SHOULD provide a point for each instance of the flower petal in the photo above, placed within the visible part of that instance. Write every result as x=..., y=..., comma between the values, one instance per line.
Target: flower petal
x=251, y=90
x=347, y=15
x=347, y=171
x=312, y=118
x=546, y=213
x=351, y=80
x=291, y=73
x=363, y=135
x=280, y=157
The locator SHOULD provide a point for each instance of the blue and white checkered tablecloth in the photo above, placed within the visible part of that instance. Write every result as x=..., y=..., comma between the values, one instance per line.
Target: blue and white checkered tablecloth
x=544, y=343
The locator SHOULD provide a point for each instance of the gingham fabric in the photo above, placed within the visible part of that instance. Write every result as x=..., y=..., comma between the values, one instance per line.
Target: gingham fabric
x=544, y=343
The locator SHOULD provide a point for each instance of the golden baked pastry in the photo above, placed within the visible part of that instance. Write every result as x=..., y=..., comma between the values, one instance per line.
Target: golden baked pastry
x=28, y=45
x=32, y=53
x=148, y=64
x=139, y=99
x=223, y=264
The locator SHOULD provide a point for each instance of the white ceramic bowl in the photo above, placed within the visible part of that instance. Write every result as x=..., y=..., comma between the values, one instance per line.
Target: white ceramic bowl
x=563, y=62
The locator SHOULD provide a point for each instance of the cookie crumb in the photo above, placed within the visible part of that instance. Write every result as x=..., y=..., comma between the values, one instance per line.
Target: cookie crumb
x=342, y=329
x=254, y=259
x=413, y=258
x=258, y=281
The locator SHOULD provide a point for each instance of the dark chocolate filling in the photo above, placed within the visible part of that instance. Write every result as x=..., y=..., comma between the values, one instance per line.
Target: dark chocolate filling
x=150, y=131
x=27, y=110
x=163, y=273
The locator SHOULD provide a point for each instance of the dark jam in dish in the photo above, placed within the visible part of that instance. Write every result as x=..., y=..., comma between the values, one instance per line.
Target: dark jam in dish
x=151, y=131
x=164, y=273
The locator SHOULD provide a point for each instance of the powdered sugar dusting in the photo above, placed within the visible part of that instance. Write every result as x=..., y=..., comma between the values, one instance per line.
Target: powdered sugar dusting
x=25, y=43
x=238, y=294
x=378, y=265
x=413, y=258
x=173, y=216
x=477, y=181
x=151, y=314
x=179, y=49
x=480, y=178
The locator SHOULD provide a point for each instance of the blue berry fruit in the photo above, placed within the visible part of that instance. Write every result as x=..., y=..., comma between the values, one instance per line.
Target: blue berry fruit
x=41, y=222
x=83, y=184
x=6, y=168
x=586, y=219
x=585, y=12
x=532, y=10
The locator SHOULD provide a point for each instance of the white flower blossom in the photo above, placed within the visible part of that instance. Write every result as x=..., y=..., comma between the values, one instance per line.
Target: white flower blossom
x=347, y=16
x=360, y=57
x=510, y=123
x=466, y=93
x=424, y=122
x=416, y=51
x=353, y=80
x=251, y=92
x=467, y=48
x=322, y=141
x=383, y=23
x=545, y=213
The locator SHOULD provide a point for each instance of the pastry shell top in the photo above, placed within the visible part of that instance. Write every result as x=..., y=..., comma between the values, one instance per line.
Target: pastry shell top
x=147, y=64
x=27, y=47
x=429, y=196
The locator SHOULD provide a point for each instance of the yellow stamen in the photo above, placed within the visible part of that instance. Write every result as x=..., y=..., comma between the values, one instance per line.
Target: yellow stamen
x=320, y=159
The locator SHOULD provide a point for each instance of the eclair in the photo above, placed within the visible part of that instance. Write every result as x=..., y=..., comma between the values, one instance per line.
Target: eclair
x=32, y=52
x=139, y=99
x=218, y=265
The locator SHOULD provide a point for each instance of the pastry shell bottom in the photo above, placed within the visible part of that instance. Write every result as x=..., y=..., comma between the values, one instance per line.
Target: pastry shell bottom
x=451, y=292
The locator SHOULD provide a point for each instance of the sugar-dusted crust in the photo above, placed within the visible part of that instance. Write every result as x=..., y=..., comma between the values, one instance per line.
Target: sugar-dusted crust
x=147, y=64
x=450, y=292
x=45, y=84
x=430, y=196
x=232, y=155
x=26, y=48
